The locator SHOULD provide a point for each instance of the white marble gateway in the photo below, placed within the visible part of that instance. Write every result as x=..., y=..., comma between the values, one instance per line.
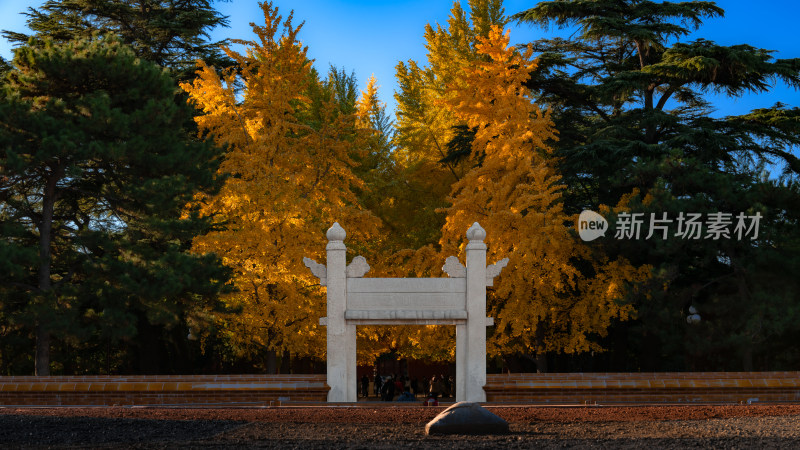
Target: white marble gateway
x=459, y=300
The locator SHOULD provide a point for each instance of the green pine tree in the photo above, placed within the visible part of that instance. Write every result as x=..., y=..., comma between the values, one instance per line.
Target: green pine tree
x=170, y=33
x=628, y=100
x=95, y=173
x=174, y=35
x=4, y=66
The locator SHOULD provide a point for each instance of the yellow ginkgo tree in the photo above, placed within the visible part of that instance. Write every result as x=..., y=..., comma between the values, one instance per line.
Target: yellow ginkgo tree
x=556, y=294
x=288, y=179
x=425, y=126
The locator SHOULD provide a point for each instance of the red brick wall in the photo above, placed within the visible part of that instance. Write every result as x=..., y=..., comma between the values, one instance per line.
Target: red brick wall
x=704, y=387
x=674, y=387
x=162, y=390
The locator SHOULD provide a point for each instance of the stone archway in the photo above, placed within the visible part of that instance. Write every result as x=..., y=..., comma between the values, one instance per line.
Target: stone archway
x=458, y=300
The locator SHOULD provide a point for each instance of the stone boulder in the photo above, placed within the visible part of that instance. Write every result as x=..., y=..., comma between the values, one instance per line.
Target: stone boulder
x=466, y=418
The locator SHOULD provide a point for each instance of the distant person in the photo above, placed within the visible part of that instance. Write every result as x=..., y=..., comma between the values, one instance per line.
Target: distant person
x=447, y=386
x=438, y=386
x=387, y=390
x=365, y=386
x=414, y=385
x=378, y=383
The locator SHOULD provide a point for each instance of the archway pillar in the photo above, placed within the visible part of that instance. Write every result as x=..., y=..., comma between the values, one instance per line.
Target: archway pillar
x=341, y=342
x=461, y=362
x=475, y=352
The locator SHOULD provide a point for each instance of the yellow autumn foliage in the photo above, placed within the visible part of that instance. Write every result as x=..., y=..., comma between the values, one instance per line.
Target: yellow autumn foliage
x=425, y=126
x=288, y=180
x=290, y=177
x=542, y=301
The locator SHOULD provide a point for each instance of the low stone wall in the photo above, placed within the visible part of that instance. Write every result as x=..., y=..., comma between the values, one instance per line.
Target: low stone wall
x=668, y=387
x=261, y=390
x=163, y=390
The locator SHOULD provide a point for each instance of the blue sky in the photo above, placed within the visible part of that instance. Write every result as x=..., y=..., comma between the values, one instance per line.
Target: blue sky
x=370, y=37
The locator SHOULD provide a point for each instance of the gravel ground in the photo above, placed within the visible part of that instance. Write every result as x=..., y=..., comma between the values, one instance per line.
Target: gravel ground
x=739, y=426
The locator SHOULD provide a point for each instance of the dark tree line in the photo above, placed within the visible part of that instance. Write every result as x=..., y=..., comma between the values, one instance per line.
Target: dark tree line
x=628, y=97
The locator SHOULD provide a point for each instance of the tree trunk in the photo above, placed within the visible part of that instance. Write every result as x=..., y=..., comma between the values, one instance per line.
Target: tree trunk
x=45, y=225
x=541, y=355
x=541, y=363
x=747, y=357
x=42, y=364
x=108, y=356
x=286, y=363
x=744, y=295
x=149, y=347
x=272, y=362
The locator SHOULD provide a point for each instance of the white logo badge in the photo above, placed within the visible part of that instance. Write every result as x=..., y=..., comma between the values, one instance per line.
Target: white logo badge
x=591, y=225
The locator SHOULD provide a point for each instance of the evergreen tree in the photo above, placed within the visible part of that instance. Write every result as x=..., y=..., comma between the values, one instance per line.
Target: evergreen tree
x=95, y=173
x=170, y=33
x=635, y=131
x=4, y=66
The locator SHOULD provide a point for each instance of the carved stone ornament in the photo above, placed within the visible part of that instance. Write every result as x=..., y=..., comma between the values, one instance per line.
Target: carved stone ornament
x=476, y=233
x=318, y=270
x=494, y=270
x=358, y=267
x=336, y=232
x=454, y=268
